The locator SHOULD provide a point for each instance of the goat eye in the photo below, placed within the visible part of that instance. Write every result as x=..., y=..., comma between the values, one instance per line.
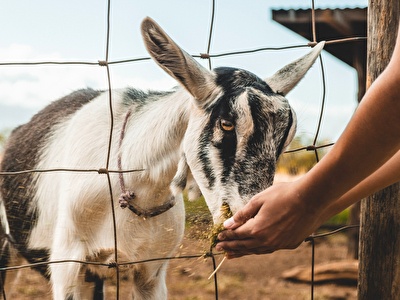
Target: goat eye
x=227, y=125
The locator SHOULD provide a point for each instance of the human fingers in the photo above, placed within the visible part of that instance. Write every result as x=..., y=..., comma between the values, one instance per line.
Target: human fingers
x=239, y=233
x=241, y=253
x=239, y=248
x=244, y=214
x=240, y=238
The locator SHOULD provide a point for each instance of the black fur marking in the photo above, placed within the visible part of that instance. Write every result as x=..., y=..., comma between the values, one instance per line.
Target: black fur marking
x=136, y=96
x=255, y=171
x=285, y=136
x=236, y=80
x=233, y=82
x=204, y=145
x=22, y=153
x=257, y=163
x=227, y=154
x=139, y=98
x=180, y=181
x=143, y=284
x=227, y=145
x=98, y=292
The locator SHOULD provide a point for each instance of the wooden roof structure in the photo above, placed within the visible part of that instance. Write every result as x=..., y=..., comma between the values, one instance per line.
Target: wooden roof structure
x=333, y=24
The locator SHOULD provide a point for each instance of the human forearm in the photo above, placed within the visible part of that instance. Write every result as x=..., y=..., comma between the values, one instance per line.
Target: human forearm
x=383, y=177
x=369, y=140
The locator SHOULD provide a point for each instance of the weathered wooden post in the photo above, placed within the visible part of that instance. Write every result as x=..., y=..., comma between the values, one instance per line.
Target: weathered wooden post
x=379, y=274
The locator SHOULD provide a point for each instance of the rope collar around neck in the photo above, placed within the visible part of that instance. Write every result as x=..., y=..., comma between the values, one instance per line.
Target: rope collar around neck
x=126, y=198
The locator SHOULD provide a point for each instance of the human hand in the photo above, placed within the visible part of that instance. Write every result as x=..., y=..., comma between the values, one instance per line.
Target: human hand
x=277, y=218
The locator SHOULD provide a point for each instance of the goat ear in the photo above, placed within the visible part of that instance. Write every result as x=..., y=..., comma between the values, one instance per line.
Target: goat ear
x=283, y=81
x=176, y=62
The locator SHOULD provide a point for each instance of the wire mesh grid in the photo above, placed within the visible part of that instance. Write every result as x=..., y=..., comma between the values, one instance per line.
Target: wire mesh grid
x=208, y=55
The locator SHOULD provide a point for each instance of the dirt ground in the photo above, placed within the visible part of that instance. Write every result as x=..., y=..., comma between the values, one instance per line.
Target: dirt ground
x=258, y=277
x=253, y=277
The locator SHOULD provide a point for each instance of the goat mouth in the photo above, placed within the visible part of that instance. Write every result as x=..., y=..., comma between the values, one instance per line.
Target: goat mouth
x=226, y=213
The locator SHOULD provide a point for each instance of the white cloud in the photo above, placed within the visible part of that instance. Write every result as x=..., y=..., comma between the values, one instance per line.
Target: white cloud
x=15, y=52
x=36, y=86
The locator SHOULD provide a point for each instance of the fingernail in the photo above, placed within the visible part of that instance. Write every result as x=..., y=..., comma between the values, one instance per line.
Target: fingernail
x=219, y=248
x=229, y=222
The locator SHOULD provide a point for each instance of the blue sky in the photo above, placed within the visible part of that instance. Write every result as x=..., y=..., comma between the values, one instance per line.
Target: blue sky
x=45, y=30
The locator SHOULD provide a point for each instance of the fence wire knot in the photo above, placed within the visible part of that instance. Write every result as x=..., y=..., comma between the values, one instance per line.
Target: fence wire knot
x=103, y=63
x=204, y=55
x=312, y=44
x=208, y=254
x=102, y=171
x=311, y=148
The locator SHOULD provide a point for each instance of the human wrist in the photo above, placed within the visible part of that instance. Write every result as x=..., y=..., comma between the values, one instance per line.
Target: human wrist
x=315, y=198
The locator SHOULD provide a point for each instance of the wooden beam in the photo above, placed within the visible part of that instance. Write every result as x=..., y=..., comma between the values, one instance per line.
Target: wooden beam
x=337, y=20
x=379, y=276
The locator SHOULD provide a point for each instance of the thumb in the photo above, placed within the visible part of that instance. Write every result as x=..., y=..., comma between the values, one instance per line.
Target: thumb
x=243, y=215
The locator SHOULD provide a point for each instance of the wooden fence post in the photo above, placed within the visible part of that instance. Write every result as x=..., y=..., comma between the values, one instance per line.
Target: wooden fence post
x=379, y=274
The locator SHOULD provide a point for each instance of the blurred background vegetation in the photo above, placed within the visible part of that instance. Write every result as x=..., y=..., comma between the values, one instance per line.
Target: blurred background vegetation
x=300, y=162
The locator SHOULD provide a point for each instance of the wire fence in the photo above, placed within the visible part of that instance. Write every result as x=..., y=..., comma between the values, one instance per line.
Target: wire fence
x=208, y=55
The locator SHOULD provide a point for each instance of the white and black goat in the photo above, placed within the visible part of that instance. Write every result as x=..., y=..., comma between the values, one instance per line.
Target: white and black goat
x=226, y=127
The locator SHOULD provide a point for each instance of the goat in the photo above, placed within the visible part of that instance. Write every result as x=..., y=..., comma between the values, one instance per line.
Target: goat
x=225, y=127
